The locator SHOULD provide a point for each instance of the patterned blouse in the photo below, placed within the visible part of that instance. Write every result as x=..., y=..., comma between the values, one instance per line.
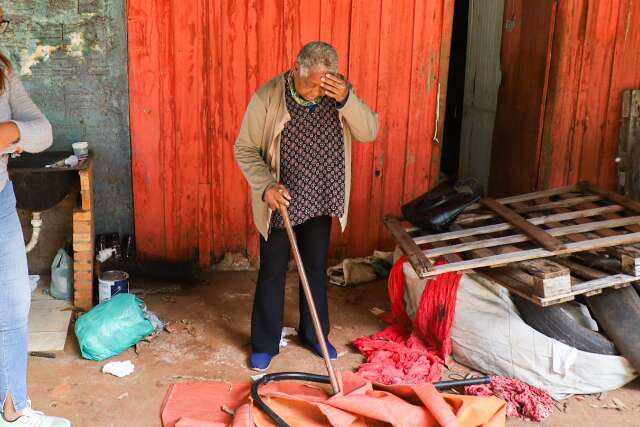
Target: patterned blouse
x=312, y=160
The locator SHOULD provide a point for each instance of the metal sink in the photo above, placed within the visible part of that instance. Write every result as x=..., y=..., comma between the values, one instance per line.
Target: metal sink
x=38, y=188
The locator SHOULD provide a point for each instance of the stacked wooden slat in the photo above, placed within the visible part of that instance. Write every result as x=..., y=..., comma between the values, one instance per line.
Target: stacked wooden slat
x=532, y=243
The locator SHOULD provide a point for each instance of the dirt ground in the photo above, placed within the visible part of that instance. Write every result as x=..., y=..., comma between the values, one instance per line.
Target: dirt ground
x=210, y=343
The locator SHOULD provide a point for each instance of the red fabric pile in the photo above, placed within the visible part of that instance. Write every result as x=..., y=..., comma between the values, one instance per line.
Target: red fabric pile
x=523, y=400
x=394, y=359
x=414, y=354
x=399, y=356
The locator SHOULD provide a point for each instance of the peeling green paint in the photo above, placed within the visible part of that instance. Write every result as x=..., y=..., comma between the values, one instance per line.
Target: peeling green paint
x=72, y=56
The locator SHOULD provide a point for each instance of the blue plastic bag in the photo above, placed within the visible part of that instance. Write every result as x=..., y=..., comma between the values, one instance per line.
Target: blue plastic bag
x=112, y=327
x=61, y=276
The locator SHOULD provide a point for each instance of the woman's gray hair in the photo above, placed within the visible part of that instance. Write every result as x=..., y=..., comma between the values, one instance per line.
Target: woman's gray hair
x=317, y=55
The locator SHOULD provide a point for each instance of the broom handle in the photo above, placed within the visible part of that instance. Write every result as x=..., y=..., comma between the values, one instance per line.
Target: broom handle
x=309, y=296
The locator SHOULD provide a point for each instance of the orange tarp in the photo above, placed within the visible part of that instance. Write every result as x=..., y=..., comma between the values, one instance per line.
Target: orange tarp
x=307, y=405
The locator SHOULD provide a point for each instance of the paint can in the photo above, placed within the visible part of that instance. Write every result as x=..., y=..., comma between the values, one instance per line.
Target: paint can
x=112, y=283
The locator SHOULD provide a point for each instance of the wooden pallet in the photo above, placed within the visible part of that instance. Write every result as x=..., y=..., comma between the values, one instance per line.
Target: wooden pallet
x=526, y=242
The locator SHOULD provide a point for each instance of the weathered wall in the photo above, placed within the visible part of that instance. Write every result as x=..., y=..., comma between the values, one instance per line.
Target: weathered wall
x=72, y=57
x=565, y=66
x=193, y=70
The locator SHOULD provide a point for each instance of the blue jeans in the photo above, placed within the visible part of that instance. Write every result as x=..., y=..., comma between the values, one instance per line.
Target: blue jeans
x=15, y=301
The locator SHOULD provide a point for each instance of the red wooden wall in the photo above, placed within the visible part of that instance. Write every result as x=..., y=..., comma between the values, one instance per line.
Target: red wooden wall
x=193, y=67
x=571, y=130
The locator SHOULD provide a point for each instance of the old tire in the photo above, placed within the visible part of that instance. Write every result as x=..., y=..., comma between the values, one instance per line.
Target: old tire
x=618, y=311
x=555, y=322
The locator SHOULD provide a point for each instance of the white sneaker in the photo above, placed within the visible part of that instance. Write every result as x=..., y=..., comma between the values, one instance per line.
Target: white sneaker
x=31, y=418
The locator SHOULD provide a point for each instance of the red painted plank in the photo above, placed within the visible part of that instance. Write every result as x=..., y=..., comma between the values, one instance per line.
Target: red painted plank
x=205, y=248
x=425, y=73
x=167, y=126
x=560, y=110
x=396, y=43
x=253, y=244
x=625, y=74
x=234, y=99
x=445, y=52
x=214, y=121
x=525, y=64
x=335, y=22
x=144, y=76
x=595, y=83
x=364, y=44
x=307, y=26
x=190, y=119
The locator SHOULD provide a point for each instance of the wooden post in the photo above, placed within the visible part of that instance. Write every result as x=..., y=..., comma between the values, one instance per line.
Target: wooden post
x=629, y=147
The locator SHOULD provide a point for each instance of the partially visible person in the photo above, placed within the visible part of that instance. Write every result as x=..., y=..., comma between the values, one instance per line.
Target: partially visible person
x=22, y=128
x=294, y=149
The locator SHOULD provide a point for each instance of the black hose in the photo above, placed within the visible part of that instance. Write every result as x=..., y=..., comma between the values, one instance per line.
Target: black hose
x=324, y=379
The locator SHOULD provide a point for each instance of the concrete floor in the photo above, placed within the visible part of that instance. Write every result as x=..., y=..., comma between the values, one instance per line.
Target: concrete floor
x=210, y=342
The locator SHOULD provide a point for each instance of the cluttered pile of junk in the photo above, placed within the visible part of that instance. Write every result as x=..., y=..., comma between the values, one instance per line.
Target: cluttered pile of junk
x=534, y=293
x=538, y=291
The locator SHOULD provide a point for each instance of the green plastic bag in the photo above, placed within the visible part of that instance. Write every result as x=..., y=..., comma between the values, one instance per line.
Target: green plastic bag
x=112, y=327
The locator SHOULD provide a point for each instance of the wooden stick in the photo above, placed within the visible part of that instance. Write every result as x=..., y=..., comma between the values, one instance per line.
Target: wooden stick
x=517, y=238
x=531, y=196
x=527, y=254
x=464, y=232
x=411, y=250
x=536, y=233
x=310, y=301
x=614, y=197
x=475, y=217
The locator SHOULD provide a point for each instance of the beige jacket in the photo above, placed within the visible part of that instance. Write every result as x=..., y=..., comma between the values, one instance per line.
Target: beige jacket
x=257, y=149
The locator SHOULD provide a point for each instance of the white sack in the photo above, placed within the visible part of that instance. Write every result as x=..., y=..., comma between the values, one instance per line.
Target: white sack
x=489, y=336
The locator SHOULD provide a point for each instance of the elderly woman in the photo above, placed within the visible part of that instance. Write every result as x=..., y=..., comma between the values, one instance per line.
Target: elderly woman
x=22, y=128
x=294, y=149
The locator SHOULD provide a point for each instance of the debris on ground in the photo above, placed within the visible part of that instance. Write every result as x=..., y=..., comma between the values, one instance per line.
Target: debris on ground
x=227, y=410
x=234, y=261
x=119, y=369
x=44, y=354
x=256, y=377
x=158, y=290
x=523, y=400
x=287, y=331
x=158, y=324
x=376, y=311
x=617, y=404
x=355, y=271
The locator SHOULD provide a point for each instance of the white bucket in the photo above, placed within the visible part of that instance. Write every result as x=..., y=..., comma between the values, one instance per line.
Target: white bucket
x=112, y=283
